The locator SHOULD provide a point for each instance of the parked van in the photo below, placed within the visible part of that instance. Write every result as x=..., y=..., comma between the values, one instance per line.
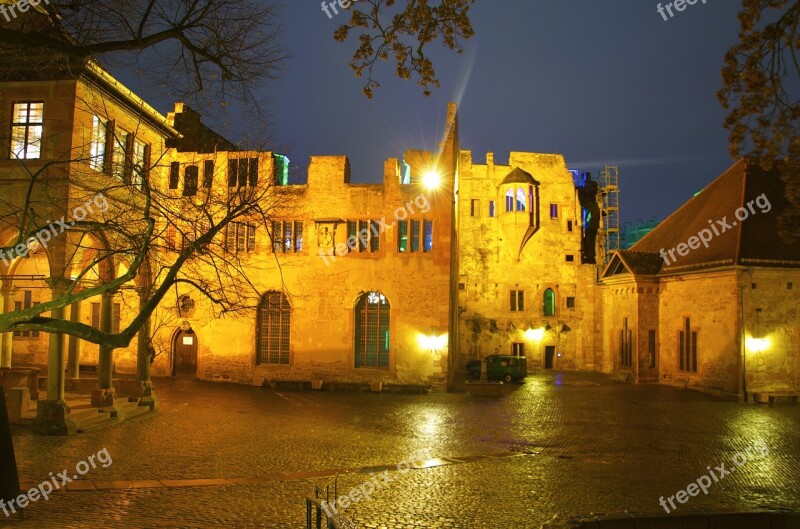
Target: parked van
x=500, y=367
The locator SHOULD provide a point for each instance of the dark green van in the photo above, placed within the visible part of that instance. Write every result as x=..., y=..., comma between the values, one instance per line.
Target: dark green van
x=500, y=367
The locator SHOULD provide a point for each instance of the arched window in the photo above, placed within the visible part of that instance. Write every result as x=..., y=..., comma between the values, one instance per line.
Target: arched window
x=372, y=331
x=274, y=314
x=520, y=199
x=510, y=200
x=549, y=302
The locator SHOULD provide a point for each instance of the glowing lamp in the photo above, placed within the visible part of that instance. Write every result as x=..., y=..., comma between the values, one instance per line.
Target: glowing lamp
x=535, y=335
x=757, y=345
x=431, y=180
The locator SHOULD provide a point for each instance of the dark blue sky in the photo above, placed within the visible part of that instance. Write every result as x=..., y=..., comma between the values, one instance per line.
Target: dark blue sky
x=600, y=82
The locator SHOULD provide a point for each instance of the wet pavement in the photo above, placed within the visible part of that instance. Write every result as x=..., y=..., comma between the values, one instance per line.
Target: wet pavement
x=566, y=444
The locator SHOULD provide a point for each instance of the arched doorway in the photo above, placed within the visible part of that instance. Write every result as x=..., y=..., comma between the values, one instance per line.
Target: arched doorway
x=184, y=353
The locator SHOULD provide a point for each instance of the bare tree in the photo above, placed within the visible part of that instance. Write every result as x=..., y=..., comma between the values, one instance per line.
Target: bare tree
x=403, y=34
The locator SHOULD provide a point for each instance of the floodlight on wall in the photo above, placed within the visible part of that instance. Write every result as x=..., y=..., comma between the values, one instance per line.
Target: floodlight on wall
x=431, y=180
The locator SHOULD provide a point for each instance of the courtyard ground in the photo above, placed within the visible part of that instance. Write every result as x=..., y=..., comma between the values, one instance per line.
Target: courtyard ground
x=566, y=444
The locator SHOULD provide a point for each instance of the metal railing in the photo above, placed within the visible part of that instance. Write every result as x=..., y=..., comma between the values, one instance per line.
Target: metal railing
x=321, y=511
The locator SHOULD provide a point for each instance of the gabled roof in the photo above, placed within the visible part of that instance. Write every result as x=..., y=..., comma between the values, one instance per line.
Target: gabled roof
x=518, y=176
x=757, y=195
x=637, y=263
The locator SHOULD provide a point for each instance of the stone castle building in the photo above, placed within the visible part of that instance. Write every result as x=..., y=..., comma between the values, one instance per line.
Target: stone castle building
x=400, y=282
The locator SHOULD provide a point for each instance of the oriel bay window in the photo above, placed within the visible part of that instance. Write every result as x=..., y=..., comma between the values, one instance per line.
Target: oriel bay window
x=372, y=331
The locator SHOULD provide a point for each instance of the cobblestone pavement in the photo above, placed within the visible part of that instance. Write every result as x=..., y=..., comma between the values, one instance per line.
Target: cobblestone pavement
x=564, y=444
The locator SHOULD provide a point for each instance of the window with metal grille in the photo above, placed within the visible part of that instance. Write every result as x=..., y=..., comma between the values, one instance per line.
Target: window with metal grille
x=26, y=131
x=240, y=237
x=26, y=303
x=372, y=331
x=274, y=314
x=688, y=348
x=287, y=236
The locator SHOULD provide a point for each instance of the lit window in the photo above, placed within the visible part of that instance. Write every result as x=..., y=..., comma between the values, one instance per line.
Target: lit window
x=549, y=302
x=26, y=131
x=510, y=200
x=281, y=168
x=372, y=331
x=274, y=318
x=521, y=199
x=118, y=165
x=553, y=211
x=517, y=300
x=402, y=236
x=97, y=149
x=141, y=163
x=427, y=236
x=287, y=236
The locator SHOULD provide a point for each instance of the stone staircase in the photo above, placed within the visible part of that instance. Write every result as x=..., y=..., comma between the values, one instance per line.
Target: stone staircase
x=89, y=419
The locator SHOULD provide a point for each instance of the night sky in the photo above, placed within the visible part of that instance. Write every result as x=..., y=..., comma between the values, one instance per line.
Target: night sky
x=600, y=82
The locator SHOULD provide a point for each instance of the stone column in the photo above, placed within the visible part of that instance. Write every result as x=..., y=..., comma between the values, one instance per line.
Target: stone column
x=52, y=414
x=148, y=396
x=103, y=396
x=6, y=338
x=73, y=354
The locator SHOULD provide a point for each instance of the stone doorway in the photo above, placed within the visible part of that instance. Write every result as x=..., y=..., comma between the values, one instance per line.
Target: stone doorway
x=184, y=353
x=549, y=356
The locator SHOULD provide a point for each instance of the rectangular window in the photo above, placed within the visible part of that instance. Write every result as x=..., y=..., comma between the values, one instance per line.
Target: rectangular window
x=191, y=174
x=517, y=300
x=427, y=238
x=243, y=172
x=298, y=236
x=352, y=235
x=491, y=208
x=687, y=348
x=97, y=149
x=141, y=163
x=518, y=349
x=415, y=235
x=233, y=172
x=281, y=167
x=119, y=155
x=374, y=236
x=651, y=347
x=240, y=237
x=26, y=131
x=208, y=173
x=475, y=208
x=570, y=258
x=116, y=318
x=402, y=236
x=287, y=236
x=174, y=174
x=252, y=179
x=363, y=235
x=570, y=302
x=26, y=303
x=96, y=315
x=553, y=211
x=569, y=225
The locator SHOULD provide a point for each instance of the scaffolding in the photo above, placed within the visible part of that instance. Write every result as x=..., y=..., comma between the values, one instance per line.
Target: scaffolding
x=609, y=212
